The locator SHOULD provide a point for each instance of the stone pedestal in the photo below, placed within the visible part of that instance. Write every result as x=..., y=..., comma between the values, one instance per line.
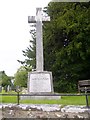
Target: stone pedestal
x=40, y=86
x=40, y=82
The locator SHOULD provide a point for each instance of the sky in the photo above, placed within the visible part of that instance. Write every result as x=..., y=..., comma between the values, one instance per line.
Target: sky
x=14, y=31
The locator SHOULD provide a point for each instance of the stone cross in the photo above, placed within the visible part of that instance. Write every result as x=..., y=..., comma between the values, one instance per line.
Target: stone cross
x=38, y=19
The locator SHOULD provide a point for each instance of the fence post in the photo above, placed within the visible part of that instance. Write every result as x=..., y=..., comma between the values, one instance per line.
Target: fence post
x=17, y=98
x=86, y=97
x=18, y=89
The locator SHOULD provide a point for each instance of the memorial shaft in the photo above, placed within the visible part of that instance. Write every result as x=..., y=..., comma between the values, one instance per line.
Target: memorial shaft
x=39, y=37
x=39, y=41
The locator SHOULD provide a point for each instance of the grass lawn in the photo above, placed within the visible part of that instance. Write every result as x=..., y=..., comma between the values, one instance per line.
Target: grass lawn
x=65, y=100
x=8, y=99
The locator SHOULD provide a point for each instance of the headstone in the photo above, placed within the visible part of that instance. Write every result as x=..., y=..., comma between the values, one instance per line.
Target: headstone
x=12, y=84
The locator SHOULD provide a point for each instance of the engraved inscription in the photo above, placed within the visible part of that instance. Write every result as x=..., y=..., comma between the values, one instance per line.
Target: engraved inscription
x=40, y=83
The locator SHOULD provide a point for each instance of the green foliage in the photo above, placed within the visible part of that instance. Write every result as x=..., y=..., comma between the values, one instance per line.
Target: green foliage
x=30, y=53
x=21, y=77
x=66, y=44
x=4, y=79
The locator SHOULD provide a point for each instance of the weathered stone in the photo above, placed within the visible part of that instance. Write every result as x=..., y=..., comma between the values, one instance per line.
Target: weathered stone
x=40, y=82
x=45, y=111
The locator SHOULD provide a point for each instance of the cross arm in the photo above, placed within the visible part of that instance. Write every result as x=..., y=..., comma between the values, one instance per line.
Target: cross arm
x=32, y=19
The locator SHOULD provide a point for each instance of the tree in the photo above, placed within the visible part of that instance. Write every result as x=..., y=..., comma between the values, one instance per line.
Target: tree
x=66, y=44
x=4, y=79
x=21, y=77
x=30, y=53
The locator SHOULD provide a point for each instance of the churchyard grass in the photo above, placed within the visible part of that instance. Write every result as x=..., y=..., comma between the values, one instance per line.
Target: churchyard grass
x=65, y=100
x=8, y=99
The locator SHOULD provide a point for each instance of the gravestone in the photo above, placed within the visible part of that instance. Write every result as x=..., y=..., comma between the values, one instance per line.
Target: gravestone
x=12, y=84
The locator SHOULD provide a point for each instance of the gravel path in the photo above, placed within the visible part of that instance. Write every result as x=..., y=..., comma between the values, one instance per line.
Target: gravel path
x=44, y=111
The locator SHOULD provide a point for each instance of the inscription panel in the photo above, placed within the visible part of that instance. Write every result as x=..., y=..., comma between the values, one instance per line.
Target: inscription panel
x=40, y=82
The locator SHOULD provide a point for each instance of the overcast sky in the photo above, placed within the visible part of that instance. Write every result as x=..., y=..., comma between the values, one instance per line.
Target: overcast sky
x=14, y=31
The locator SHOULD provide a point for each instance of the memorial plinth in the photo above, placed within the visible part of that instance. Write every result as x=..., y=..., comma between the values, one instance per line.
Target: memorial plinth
x=40, y=82
x=40, y=86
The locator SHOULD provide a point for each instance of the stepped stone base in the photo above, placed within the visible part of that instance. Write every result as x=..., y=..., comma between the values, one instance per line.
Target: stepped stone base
x=40, y=86
x=40, y=97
